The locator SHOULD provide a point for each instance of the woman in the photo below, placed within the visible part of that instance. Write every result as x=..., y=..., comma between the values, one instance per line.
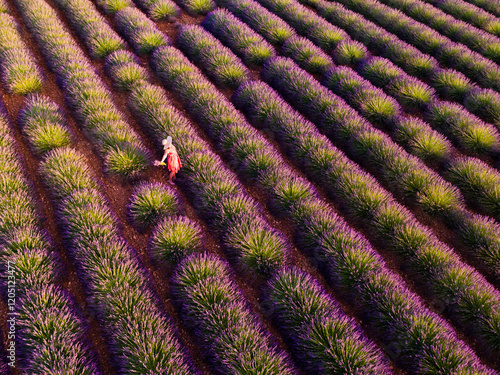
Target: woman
x=173, y=161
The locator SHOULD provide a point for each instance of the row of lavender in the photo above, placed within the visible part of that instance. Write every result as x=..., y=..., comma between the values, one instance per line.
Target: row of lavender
x=418, y=18
x=448, y=53
x=19, y=71
x=44, y=312
x=489, y=5
x=470, y=13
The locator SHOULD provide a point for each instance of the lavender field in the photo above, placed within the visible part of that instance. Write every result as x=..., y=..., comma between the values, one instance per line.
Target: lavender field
x=337, y=210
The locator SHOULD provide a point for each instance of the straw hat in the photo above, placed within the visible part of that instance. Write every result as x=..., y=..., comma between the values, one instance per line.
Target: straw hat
x=167, y=142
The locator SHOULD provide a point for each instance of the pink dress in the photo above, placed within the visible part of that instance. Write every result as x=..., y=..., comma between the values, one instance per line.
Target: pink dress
x=173, y=162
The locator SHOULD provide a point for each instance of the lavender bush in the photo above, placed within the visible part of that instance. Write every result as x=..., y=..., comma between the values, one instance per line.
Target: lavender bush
x=174, y=239
x=216, y=60
x=151, y=203
x=272, y=28
x=480, y=183
x=113, y=6
x=139, y=30
x=92, y=28
x=20, y=74
x=43, y=123
x=307, y=55
x=159, y=10
x=242, y=40
x=197, y=7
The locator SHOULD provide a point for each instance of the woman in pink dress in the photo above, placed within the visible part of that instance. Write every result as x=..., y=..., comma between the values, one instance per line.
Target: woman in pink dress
x=173, y=161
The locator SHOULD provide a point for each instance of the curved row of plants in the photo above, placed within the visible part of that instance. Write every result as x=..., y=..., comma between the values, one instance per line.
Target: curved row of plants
x=234, y=33
x=469, y=13
x=20, y=73
x=85, y=93
x=306, y=22
x=218, y=62
x=271, y=27
x=488, y=5
x=96, y=34
x=142, y=33
x=459, y=31
x=51, y=333
x=249, y=46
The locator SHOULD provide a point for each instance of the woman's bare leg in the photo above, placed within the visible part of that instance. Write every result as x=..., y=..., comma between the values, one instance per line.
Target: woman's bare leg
x=171, y=177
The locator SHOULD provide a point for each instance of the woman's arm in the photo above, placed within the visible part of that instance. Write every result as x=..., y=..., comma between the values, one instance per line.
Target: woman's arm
x=164, y=156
